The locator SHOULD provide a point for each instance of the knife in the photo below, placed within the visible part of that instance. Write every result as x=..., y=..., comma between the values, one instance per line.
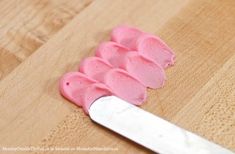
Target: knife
x=149, y=130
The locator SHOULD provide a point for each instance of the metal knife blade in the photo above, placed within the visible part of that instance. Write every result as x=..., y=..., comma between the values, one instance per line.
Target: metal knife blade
x=149, y=130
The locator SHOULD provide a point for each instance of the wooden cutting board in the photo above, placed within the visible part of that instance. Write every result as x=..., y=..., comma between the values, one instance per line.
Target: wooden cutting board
x=42, y=40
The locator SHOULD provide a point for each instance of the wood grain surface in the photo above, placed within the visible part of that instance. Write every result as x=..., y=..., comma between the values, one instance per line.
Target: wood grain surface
x=27, y=24
x=199, y=94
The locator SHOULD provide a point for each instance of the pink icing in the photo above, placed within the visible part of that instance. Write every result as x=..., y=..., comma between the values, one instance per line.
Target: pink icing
x=94, y=92
x=125, y=68
x=144, y=70
x=119, y=81
x=82, y=90
x=148, y=45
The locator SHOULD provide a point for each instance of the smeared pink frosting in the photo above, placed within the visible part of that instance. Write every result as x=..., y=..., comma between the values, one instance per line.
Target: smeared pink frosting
x=82, y=90
x=124, y=67
x=144, y=70
x=119, y=81
x=148, y=45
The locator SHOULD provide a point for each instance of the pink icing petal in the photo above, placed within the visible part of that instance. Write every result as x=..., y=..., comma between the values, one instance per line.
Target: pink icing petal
x=150, y=46
x=94, y=67
x=82, y=90
x=126, y=36
x=155, y=49
x=72, y=86
x=92, y=93
x=125, y=86
x=147, y=72
x=113, y=53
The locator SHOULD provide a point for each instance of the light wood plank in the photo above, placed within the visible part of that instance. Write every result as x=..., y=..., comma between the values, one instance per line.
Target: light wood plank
x=201, y=34
x=25, y=25
x=213, y=108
